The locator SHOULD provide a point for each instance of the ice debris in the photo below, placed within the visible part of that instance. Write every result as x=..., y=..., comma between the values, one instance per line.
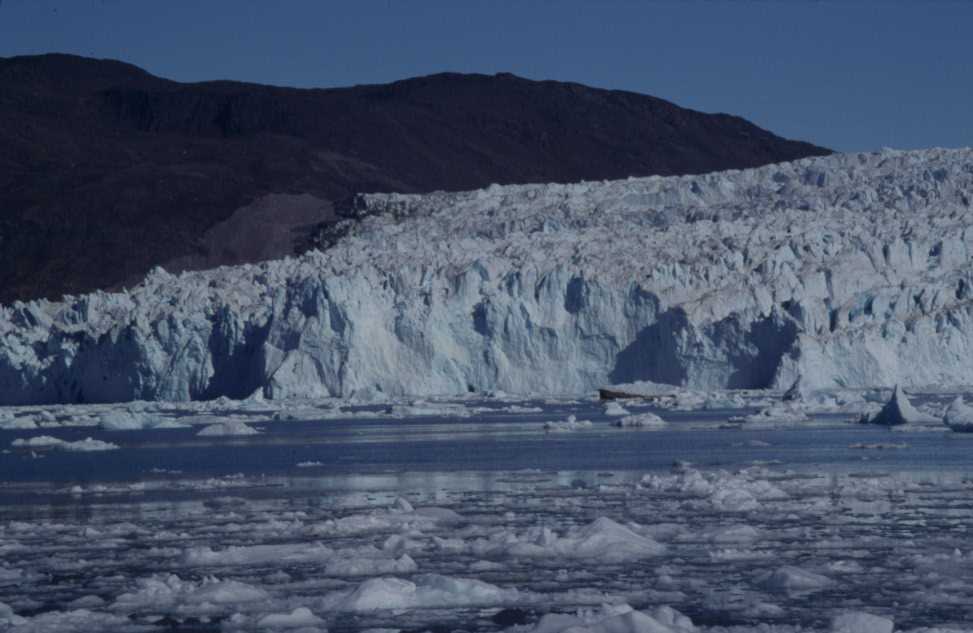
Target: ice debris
x=602, y=539
x=571, y=424
x=80, y=446
x=742, y=491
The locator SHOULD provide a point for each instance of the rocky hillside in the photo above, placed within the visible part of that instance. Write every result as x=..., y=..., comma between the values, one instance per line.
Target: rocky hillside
x=846, y=271
x=106, y=170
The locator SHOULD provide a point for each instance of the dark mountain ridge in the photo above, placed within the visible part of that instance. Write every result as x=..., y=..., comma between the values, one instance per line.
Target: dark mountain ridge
x=107, y=170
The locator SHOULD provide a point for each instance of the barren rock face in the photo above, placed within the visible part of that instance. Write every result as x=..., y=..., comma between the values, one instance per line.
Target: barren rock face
x=849, y=270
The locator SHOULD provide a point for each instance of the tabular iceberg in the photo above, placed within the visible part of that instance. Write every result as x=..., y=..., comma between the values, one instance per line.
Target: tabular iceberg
x=844, y=271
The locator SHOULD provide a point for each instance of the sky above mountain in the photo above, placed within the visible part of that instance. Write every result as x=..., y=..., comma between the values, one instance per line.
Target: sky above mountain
x=855, y=75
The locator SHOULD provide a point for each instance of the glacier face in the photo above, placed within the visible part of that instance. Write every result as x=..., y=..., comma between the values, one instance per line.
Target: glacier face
x=849, y=270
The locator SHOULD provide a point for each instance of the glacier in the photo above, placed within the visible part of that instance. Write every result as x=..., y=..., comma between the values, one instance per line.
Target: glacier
x=844, y=271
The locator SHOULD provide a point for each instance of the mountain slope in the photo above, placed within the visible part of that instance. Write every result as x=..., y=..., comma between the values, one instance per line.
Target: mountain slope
x=106, y=170
x=846, y=271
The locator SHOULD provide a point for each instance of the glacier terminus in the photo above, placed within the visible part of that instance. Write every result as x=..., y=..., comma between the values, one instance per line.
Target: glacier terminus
x=846, y=271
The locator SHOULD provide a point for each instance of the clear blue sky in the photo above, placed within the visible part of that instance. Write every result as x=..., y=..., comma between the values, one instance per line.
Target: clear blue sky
x=851, y=75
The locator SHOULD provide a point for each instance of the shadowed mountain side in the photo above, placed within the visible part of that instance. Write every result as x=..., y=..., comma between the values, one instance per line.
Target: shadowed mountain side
x=106, y=170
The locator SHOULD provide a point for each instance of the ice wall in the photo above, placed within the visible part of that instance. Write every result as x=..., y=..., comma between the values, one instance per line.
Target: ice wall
x=848, y=270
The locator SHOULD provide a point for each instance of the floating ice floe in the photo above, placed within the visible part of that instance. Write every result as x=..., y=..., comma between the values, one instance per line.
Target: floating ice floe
x=614, y=619
x=46, y=441
x=402, y=516
x=257, y=554
x=12, y=423
x=298, y=618
x=776, y=415
x=645, y=420
x=133, y=420
x=897, y=412
x=860, y=622
x=613, y=409
x=358, y=561
x=571, y=424
x=228, y=428
x=170, y=593
x=728, y=492
x=429, y=409
x=74, y=621
x=959, y=416
x=792, y=579
x=8, y=618
x=603, y=539
x=429, y=591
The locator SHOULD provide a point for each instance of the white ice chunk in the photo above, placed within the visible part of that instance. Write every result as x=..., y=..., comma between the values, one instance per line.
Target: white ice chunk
x=228, y=428
x=959, y=416
x=257, y=554
x=728, y=492
x=571, y=424
x=430, y=591
x=162, y=592
x=602, y=539
x=46, y=441
x=616, y=619
x=299, y=617
x=8, y=617
x=613, y=409
x=792, y=579
x=775, y=415
x=859, y=622
x=17, y=424
x=645, y=420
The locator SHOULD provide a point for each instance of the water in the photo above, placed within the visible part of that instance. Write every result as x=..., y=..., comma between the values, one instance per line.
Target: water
x=886, y=527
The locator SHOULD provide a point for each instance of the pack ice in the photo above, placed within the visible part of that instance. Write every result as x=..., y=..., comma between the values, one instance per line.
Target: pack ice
x=844, y=271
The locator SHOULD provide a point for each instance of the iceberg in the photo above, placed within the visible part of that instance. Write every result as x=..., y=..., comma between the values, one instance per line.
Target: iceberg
x=959, y=416
x=897, y=412
x=847, y=271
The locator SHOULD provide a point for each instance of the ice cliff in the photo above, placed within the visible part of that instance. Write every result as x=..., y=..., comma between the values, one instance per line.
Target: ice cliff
x=849, y=270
